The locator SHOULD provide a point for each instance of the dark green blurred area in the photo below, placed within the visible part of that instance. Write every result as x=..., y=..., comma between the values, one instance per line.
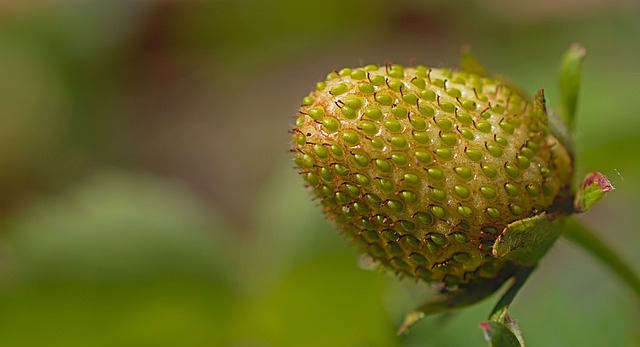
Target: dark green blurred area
x=147, y=197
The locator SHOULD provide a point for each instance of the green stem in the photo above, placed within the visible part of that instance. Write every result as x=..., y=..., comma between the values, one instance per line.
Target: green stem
x=582, y=236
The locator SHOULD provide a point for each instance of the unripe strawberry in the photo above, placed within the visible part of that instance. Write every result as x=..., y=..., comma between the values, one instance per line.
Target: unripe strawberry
x=423, y=168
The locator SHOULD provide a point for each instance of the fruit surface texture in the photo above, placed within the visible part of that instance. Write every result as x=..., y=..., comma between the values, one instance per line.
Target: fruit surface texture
x=424, y=168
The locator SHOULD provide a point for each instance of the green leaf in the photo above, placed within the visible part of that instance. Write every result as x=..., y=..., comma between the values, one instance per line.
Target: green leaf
x=499, y=335
x=511, y=324
x=569, y=79
x=525, y=241
x=594, y=187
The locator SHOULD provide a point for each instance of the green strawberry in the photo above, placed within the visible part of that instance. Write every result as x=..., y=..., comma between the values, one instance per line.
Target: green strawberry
x=423, y=168
x=450, y=177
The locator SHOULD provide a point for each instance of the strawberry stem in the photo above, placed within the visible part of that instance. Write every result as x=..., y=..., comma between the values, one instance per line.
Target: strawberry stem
x=585, y=238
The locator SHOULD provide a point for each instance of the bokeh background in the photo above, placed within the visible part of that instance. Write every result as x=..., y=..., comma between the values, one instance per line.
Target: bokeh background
x=147, y=197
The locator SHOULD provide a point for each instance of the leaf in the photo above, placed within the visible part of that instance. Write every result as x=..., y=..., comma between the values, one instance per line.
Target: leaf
x=594, y=187
x=499, y=335
x=525, y=241
x=511, y=324
x=569, y=80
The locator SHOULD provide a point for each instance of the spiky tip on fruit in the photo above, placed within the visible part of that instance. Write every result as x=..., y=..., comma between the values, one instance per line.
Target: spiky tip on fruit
x=423, y=168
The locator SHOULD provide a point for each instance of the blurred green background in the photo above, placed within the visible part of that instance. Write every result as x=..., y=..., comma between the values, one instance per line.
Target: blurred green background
x=147, y=197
